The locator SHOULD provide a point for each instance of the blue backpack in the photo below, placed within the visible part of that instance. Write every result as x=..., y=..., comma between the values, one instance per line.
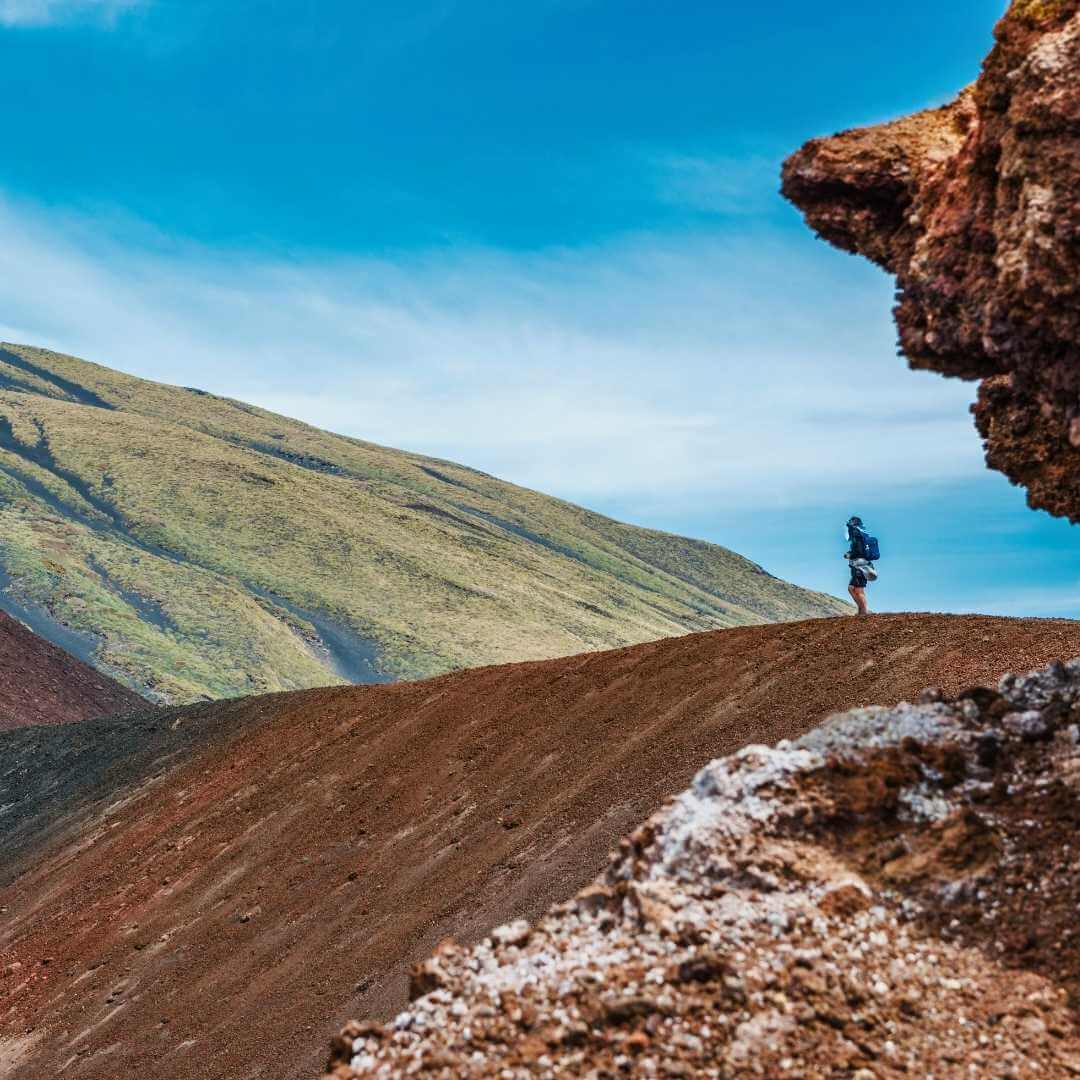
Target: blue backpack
x=864, y=545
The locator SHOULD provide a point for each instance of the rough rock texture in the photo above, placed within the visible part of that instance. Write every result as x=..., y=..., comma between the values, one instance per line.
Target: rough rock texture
x=893, y=893
x=42, y=684
x=975, y=208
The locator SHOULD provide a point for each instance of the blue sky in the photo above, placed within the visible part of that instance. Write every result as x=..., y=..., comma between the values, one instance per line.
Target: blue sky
x=540, y=238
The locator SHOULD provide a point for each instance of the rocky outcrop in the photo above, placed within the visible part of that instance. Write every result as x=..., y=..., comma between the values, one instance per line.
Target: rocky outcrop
x=975, y=208
x=893, y=893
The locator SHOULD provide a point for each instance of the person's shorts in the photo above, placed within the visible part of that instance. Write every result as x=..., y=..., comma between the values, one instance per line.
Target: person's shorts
x=858, y=579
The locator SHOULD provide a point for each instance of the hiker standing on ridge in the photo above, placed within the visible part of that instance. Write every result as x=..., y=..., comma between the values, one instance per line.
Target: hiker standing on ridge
x=861, y=553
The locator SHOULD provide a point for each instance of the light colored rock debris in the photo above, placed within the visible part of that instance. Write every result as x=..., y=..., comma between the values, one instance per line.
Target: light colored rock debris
x=893, y=894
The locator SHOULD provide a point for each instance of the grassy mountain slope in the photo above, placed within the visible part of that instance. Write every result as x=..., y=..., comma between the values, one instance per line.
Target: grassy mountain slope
x=201, y=546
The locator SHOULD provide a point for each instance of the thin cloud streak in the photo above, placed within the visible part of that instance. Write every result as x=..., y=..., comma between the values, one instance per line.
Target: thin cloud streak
x=659, y=369
x=31, y=13
x=716, y=184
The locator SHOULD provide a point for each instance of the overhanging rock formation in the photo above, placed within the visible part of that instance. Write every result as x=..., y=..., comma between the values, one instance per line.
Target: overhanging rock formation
x=975, y=208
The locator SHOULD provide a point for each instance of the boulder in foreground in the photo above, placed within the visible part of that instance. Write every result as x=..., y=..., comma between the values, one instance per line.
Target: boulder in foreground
x=893, y=892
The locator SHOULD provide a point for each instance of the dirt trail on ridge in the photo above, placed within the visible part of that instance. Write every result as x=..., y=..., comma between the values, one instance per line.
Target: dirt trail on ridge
x=222, y=914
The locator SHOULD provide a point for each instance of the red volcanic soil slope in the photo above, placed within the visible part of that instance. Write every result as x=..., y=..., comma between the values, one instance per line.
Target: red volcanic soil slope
x=224, y=906
x=42, y=684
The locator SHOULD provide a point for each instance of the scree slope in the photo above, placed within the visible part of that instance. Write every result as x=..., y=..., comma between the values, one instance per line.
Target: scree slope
x=41, y=684
x=211, y=891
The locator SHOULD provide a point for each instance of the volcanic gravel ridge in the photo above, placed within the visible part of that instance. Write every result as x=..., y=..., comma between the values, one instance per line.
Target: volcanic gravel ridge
x=212, y=892
x=894, y=893
x=42, y=684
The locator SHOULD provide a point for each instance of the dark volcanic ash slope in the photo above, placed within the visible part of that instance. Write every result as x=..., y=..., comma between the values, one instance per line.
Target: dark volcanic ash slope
x=893, y=894
x=975, y=208
x=41, y=684
x=221, y=909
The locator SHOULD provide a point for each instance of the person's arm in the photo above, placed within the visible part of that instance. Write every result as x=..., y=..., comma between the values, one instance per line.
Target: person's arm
x=854, y=534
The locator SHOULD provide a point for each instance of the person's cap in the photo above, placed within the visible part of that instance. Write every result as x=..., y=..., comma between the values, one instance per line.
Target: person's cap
x=854, y=520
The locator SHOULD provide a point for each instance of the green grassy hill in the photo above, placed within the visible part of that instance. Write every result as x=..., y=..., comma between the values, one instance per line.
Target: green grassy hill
x=192, y=545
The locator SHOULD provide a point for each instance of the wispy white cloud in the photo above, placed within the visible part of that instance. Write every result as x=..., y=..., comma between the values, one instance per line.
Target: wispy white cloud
x=660, y=370
x=53, y=12
x=717, y=183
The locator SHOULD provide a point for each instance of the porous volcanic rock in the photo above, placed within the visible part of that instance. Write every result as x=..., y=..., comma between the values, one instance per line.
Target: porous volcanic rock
x=975, y=208
x=893, y=893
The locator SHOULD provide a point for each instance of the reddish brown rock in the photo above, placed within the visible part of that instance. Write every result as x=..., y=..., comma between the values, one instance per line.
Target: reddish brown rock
x=882, y=897
x=975, y=208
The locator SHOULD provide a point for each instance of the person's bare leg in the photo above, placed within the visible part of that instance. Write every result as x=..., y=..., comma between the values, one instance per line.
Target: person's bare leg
x=859, y=596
